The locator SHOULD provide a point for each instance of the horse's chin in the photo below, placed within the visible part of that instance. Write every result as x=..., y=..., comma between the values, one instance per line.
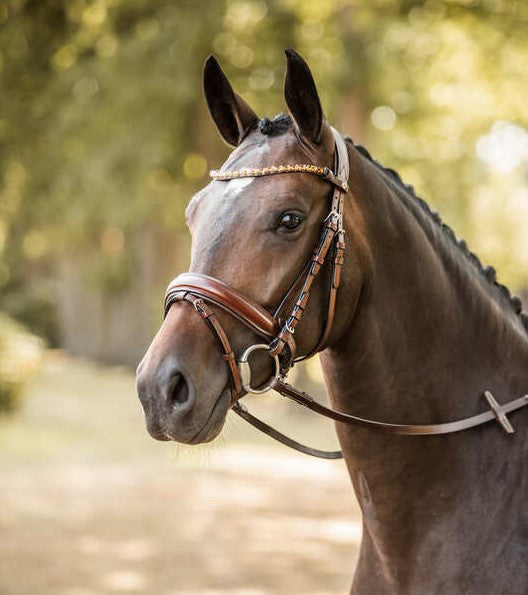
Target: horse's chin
x=200, y=426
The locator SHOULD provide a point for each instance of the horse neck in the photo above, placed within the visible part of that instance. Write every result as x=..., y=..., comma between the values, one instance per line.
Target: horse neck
x=428, y=324
x=430, y=334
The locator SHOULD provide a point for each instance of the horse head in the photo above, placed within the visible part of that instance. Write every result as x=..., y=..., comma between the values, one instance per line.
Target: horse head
x=254, y=233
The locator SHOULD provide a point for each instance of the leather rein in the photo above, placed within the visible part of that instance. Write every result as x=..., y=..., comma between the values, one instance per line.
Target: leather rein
x=278, y=332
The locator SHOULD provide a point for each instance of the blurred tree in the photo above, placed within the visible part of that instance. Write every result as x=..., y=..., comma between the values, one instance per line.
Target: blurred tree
x=104, y=134
x=443, y=73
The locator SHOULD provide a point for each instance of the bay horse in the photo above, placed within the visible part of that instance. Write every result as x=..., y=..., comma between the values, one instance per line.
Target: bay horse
x=410, y=327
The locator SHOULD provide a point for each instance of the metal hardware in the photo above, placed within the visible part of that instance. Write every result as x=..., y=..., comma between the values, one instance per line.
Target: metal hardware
x=244, y=369
x=287, y=325
x=499, y=412
x=199, y=306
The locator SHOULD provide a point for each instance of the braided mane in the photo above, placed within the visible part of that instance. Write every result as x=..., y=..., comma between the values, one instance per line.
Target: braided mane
x=282, y=122
x=487, y=271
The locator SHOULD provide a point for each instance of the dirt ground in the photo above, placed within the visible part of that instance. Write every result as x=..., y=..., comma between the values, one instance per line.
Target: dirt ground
x=90, y=505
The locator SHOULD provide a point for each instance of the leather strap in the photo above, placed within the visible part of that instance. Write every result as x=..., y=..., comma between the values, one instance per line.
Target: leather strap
x=227, y=352
x=497, y=412
x=228, y=299
x=242, y=411
x=333, y=233
x=342, y=166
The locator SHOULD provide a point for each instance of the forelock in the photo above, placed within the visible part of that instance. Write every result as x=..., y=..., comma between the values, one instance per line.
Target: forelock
x=279, y=124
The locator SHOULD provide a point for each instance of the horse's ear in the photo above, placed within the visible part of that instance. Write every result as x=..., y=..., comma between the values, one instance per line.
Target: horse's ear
x=302, y=98
x=232, y=115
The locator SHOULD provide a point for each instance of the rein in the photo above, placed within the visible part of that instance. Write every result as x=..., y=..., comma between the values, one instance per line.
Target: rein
x=200, y=290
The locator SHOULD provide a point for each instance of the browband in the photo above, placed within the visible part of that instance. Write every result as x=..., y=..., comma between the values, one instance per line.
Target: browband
x=257, y=172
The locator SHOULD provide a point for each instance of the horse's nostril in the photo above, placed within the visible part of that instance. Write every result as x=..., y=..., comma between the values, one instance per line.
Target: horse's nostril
x=179, y=390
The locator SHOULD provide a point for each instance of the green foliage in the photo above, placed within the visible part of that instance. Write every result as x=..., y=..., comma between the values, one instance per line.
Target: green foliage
x=20, y=354
x=450, y=71
x=103, y=129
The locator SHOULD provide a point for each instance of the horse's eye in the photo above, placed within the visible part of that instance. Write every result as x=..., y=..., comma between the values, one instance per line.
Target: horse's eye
x=289, y=221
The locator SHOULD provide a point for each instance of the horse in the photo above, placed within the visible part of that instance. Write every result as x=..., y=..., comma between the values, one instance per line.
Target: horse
x=409, y=326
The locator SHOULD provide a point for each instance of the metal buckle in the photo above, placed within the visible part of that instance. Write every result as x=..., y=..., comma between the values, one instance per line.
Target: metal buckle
x=199, y=306
x=245, y=369
x=287, y=325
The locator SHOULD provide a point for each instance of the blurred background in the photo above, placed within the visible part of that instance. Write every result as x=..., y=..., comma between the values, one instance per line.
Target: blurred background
x=104, y=137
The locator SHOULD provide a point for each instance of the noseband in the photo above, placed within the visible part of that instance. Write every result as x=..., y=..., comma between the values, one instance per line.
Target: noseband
x=278, y=333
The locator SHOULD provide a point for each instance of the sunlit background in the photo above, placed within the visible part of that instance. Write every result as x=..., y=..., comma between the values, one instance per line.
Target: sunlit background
x=104, y=136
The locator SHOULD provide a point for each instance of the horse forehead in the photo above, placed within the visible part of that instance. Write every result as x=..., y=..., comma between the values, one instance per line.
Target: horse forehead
x=213, y=205
x=236, y=187
x=221, y=192
x=220, y=195
x=215, y=194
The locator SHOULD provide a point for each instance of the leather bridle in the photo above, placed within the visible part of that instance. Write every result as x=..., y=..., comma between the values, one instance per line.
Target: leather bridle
x=278, y=333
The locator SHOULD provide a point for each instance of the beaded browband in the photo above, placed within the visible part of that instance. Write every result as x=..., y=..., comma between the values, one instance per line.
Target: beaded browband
x=256, y=172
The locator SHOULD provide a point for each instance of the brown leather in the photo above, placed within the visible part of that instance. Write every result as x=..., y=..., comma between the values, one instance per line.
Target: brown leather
x=316, y=263
x=497, y=412
x=222, y=295
x=333, y=233
x=228, y=354
x=342, y=166
x=242, y=411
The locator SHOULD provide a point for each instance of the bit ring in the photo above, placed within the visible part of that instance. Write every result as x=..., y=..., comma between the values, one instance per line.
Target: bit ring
x=245, y=369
